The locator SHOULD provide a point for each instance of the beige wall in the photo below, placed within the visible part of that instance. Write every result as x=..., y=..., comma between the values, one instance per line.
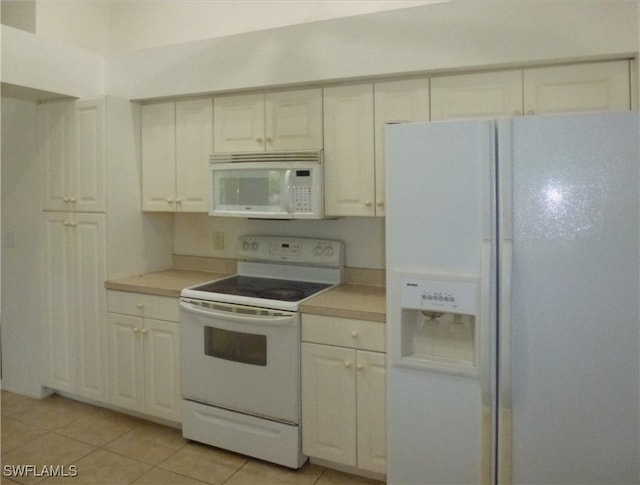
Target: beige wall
x=116, y=27
x=448, y=36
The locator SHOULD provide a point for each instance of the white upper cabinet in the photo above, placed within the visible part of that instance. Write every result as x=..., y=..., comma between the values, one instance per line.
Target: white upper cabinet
x=286, y=120
x=238, y=123
x=599, y=86
x=596, y=86
x=294, y=120
x=177, y=140
x=395, y=102
x=158, y=156
x=348, y=151
x=483, y=95
x=71, y=141
x=194, y=144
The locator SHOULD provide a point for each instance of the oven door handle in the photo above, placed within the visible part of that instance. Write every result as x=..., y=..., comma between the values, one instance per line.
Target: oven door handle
x=285, y=321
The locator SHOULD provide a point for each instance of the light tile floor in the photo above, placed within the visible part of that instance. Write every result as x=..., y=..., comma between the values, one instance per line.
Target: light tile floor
x=104, y=447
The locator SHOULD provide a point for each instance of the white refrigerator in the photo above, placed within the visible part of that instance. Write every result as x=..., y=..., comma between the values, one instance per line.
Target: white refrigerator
x=512, y=254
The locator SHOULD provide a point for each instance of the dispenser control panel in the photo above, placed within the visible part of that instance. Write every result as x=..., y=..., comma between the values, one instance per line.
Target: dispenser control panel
x=450, y=295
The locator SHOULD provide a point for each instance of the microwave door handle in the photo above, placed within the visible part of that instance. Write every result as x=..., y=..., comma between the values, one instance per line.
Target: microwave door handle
x=289, y=193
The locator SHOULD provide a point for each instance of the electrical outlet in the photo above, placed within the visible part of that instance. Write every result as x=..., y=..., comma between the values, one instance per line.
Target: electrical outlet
x=218, y=240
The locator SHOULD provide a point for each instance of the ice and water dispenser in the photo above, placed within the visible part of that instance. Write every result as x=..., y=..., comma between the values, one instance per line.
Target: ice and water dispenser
x=438, y=321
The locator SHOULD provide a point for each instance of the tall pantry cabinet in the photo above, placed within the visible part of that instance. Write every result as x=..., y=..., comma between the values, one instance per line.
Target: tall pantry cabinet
x=72, y=151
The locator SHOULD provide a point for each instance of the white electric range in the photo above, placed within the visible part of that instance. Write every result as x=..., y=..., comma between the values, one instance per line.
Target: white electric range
x=241, y=346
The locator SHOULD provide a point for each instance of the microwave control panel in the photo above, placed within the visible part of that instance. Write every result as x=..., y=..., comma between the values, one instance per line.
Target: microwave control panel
x=302, y=191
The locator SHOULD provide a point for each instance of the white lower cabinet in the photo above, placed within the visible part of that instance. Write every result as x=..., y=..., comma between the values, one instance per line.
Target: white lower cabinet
x=75, y=350
x=344, y=392
x=144, y=354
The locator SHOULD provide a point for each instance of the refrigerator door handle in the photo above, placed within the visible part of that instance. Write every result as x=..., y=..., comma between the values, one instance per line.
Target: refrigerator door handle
x=484, y=347
x=504, y=313
x=486, y=362
x=504, y=341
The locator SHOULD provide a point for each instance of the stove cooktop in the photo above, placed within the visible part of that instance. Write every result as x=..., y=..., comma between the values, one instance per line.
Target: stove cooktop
x=266, y=288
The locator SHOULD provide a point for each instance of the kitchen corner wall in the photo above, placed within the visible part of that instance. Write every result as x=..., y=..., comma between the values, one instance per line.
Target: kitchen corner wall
x=21, y=248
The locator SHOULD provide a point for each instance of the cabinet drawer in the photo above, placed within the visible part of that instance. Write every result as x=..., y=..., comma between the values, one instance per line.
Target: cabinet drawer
x=343, y=332
x=141, y=305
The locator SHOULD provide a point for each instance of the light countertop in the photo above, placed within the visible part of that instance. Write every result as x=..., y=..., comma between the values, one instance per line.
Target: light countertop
x=163, y=283
x=349, y=301
x=346, y=301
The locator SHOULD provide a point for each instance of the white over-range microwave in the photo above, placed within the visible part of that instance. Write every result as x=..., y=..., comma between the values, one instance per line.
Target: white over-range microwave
x=267, y=185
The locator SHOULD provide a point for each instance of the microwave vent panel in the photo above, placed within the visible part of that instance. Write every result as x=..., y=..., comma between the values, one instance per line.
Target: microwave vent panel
x=306, y=156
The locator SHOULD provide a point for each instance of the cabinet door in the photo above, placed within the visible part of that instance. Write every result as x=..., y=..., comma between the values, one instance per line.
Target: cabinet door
x=600, y=86
x=238, y=123
x=158, y=157
x=483, y=95
x=371, y=411
x=90, y=305
x=329, y=403
x=294, y=120
x=126, y=361
x=55, y=137
x=194, y=144
x=59, y=335
x=395, y=101
x=88, y=170
x=162, y=369
x=349, y=153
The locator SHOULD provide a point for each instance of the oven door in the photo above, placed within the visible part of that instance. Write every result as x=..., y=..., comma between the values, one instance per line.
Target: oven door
x=241, y=358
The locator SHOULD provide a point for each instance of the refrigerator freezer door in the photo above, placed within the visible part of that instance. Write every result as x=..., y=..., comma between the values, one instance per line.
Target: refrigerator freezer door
x=439, y=220
x=574, y=383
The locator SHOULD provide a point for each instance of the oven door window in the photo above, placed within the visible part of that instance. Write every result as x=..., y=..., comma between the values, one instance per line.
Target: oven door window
x=247, y=348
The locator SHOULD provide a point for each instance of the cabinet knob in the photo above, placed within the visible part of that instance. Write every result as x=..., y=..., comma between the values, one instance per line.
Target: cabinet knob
x=136, y=329
x=354, y=334
x=259, y=140
x=65, y=199
x=144, y=331
x=140, y=306
x=178, y=201
x=368, y=203
x=360, y=367
x=269, y=140
x=72, y=200
x=347, y=364
x=170, y=201
x=380, y=204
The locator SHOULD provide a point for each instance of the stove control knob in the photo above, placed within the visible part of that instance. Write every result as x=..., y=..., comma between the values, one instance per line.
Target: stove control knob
x=328, y=251
x=254, y=246
x=318, y=250
x=245, y=245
